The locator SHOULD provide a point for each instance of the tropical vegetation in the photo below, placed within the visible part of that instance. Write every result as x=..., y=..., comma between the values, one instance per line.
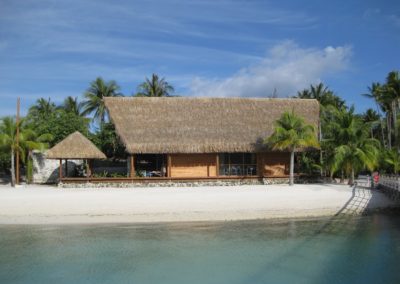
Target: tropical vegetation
x=28, y=141
x=155, y=87
x=349, y=143
x=292, y=134
x=94, y=95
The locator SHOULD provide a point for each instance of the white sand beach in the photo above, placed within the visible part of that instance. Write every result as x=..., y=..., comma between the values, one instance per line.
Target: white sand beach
x=45, y=205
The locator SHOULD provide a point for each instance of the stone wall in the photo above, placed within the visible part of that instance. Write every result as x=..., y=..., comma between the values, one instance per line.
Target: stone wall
x=47, y=171
x=178, y=183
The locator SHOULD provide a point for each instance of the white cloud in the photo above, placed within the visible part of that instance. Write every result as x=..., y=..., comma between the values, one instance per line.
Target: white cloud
x=287, y=68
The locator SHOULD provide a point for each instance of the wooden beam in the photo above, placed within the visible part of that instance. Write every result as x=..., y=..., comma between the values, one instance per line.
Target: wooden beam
x=217, y=164
x=89, y=169
x=60, y=170
x=132, y=166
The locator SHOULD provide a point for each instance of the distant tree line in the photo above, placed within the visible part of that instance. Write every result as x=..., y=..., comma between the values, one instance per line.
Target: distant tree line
x=352, y=143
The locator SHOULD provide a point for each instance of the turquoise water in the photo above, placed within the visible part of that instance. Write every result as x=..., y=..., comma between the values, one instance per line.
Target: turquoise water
x=340, y=250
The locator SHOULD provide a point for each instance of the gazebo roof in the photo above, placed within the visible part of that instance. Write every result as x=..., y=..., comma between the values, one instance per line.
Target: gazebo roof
x=75, y=146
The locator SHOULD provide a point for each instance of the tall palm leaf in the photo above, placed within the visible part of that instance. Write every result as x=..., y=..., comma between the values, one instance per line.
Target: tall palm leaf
x=43, y=108
x=373, y=119
x=72, y=105
x=155, y=87
x=94, y=103
x=292, y=134
x=392, y=157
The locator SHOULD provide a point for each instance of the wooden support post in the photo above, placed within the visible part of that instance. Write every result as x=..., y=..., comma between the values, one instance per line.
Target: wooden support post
x=66, y=167
x=169, y=165
x=217, y=164
x=132, y=166
x=60, y=171
x=89, y=169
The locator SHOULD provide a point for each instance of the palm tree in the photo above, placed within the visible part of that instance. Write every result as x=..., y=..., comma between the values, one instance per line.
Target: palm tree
x=94, y=95
x=391, y=89
x=155, y=87
x=392, y=157
x=372, y=118
x=322, y=94
x=353, y=150
x=8, y=130
x=387, y=97
x=328, y=101
x=72, y=105
x=28, y=141
x=43, y=108
x=382, y=105
x=293, y=134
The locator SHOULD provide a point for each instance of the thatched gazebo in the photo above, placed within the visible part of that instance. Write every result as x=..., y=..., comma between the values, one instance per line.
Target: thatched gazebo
x=75, y=147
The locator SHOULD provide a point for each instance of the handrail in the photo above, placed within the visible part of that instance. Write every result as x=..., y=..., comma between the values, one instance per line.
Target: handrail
x=392, y=182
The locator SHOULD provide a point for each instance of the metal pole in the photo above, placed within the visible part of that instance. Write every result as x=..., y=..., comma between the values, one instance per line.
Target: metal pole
x=17, y=143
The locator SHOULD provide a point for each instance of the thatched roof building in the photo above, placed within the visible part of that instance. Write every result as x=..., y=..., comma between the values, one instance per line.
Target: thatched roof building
x=75, y=146
x=201, y=125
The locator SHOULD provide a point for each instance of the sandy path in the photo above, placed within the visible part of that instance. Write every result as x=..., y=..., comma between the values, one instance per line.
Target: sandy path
x=41, y=205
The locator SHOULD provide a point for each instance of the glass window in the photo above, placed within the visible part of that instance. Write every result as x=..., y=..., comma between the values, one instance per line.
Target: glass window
x=236, y=158
x=237, y=164
x=224, y=159
x=250, y=158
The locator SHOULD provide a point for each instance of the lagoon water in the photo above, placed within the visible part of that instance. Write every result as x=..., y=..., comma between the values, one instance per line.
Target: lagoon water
x=337, y=250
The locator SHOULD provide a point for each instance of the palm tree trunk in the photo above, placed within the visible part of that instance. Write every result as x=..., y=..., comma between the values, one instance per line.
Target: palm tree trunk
x=291, y=177
x=12, y=168
x=389, y=130
x=351, y=181
x=394, y=118
x=382, y=124
x=320, y=150
x=342, y=176
x=383, y=132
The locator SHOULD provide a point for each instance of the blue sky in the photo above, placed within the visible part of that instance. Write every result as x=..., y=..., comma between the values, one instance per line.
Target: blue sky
x=203, y=48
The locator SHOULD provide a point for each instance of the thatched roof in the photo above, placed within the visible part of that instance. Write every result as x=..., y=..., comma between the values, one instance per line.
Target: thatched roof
x=75, y=146
x=201, y=125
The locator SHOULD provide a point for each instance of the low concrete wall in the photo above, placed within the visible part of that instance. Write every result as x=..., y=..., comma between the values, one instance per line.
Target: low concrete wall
x=47, y=171
x=177, y=183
